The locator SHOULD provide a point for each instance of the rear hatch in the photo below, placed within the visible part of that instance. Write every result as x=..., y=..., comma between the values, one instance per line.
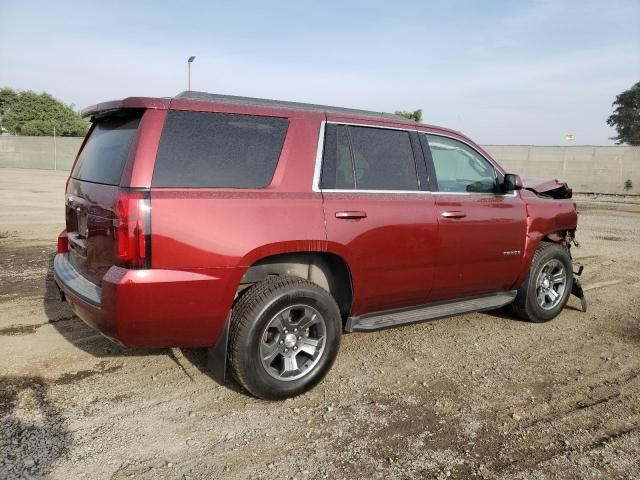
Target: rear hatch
x=105, y=220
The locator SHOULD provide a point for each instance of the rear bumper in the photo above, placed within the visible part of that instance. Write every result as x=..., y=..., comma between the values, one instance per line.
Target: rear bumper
x=151, y=308
x=65, y=274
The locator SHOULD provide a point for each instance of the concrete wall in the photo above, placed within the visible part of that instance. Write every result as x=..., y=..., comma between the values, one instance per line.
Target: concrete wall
x=586, y=169
x=38, y=152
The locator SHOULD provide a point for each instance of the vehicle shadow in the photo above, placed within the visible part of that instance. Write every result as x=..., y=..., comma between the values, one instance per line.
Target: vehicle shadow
x=75, y=331
x=506, y=314
x=199, y=358
x=33, y=433
x=503, y=313
x=80, y=335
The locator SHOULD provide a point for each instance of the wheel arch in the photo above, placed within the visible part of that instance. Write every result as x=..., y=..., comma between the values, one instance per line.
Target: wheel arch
x=327, y=270
x=561, y=236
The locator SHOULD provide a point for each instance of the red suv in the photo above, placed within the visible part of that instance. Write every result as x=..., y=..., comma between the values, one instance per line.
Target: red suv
x=265, y=229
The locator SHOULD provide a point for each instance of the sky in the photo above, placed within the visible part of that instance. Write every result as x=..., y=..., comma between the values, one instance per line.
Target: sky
x=502, y=72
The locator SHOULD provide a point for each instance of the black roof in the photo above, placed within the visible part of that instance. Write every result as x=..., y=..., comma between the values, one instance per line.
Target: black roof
x=263, y=102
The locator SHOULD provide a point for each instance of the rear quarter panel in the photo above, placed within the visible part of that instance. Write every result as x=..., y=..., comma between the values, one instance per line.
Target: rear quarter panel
x=219, y=232
x=231, y=228
x=222, y=229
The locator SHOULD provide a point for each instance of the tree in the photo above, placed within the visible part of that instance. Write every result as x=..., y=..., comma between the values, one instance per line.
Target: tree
x=626, y=116
x=415, y=115
x=30, y=113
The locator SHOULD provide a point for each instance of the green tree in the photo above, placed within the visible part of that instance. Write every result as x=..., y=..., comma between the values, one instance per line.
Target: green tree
x=30, y=113
x=626, y=116
x=415, y=115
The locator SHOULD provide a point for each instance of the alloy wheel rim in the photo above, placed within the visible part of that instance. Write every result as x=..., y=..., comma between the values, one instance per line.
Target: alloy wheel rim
x=292, y=343
x=551, y=284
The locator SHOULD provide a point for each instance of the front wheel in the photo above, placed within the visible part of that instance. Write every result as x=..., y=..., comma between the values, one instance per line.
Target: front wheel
x=546, y=291
x=284, y=337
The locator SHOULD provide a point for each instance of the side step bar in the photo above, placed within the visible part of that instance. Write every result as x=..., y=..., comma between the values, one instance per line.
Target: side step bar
x=422, y=313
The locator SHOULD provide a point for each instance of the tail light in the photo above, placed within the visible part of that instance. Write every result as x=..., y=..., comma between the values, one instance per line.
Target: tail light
x=63, y=242
x=132, y=230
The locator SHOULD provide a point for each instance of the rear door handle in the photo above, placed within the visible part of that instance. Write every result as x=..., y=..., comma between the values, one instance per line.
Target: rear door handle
x=454, y=214
x=351, y=215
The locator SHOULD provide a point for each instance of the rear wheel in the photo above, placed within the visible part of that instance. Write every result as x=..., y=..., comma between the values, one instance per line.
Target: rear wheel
x=284, y=337
x=546, y=291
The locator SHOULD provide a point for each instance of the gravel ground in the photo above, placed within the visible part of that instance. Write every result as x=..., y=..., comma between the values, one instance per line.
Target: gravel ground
x=480, y=395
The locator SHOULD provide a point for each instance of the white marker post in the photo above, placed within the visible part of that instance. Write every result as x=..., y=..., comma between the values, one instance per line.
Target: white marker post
x=55, y=151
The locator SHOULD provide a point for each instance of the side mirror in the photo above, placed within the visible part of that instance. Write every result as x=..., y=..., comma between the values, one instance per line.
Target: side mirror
x=511, y=182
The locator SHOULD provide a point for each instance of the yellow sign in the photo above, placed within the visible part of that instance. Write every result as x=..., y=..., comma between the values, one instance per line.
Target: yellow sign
x=569, y=137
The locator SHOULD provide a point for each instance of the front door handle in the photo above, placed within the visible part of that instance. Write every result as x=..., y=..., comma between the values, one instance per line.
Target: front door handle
x=351, y=215
x=454, y=214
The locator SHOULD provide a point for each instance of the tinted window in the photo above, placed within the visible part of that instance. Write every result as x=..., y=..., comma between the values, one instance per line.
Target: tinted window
x=459, y=168
x=337, y=166
x=107, y=149
x=366, y=158
x=200, y=149
x=383, y=159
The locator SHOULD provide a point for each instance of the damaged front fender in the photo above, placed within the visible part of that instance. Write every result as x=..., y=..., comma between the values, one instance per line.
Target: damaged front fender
x=551, y=216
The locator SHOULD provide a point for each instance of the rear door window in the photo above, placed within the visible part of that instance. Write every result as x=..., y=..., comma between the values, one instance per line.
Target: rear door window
x=202, y=149
x=106, y=151
x=337, y=164
x=383, y=159
x=368, y=158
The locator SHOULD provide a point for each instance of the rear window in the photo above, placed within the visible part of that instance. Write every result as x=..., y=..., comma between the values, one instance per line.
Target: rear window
x=201, y=149
x=107, y=149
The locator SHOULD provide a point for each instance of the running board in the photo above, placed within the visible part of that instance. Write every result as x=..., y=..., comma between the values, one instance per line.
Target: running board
x=422, y=313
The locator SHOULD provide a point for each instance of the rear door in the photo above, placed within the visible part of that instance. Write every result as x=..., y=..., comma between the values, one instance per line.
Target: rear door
x=379, y=213
x=93, y=192
x=482, y=232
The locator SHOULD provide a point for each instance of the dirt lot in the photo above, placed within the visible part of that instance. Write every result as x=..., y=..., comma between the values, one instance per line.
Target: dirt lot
x=480, y=395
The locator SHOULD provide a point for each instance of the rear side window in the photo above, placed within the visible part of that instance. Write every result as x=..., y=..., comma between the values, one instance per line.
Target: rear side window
x=337, y=165
x=366, y=158
x=107, y=149
x=201, y=149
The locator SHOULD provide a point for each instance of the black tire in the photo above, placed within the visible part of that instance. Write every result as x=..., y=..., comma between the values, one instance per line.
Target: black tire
x=526, y=305
x=256, y=310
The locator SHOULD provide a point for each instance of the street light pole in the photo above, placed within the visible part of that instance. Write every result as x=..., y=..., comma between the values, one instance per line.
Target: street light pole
x=189, y=62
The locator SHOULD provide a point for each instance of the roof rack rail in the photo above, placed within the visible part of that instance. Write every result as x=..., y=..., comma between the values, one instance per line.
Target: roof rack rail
x=263, y=102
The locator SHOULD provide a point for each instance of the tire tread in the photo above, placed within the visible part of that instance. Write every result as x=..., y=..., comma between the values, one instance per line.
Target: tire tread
x=520, y=306
x=248, y=307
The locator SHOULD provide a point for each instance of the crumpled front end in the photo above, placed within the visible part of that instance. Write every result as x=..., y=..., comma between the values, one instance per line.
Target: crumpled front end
x=548, y=188
x=552, y=216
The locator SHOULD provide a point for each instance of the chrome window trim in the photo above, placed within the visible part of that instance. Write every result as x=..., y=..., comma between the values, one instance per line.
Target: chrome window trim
x=400, y=192
x=487, y=194
x=317, y=171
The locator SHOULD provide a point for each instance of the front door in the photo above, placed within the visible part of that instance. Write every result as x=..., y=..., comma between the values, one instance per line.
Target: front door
x=481, y=231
